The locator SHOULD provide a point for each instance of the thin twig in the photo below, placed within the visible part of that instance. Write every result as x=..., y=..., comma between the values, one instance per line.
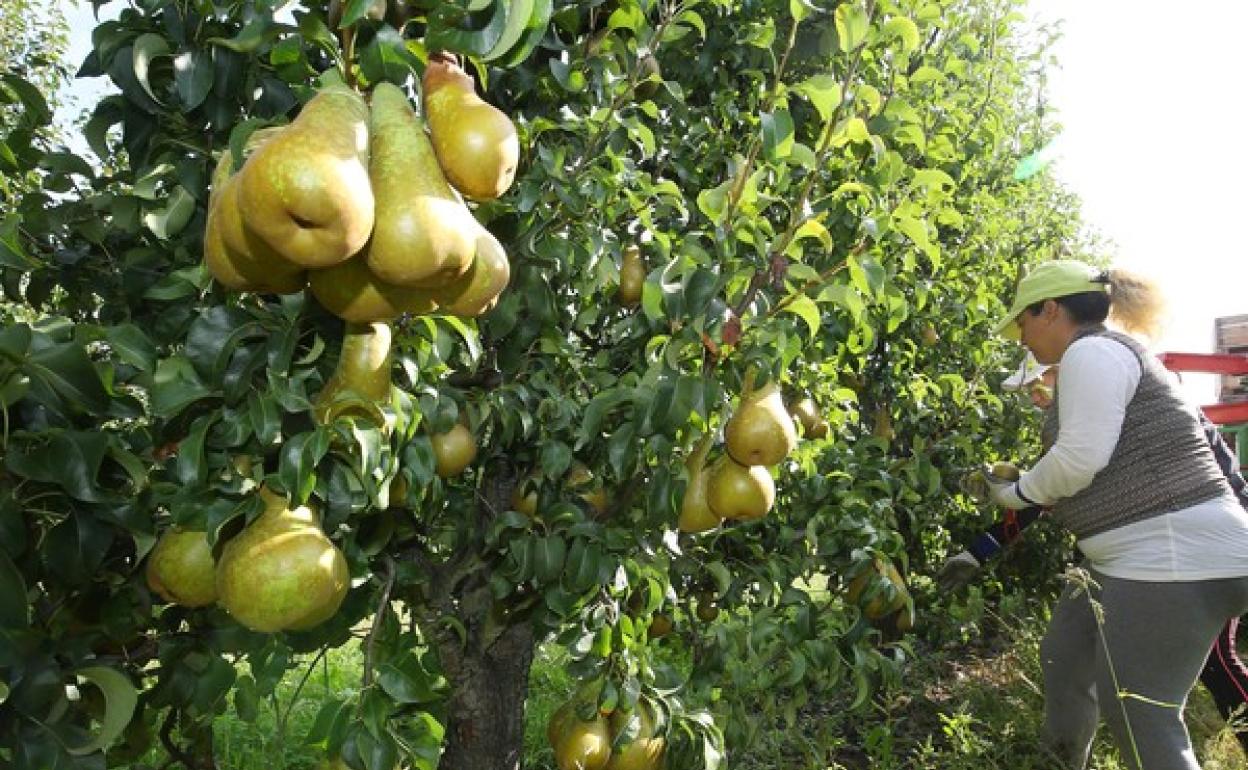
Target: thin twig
x=382, y=605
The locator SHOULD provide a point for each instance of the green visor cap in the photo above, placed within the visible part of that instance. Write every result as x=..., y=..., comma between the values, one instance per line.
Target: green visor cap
x=1049, y=280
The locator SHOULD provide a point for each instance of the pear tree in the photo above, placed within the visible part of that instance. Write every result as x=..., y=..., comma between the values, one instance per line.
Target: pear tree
x=653, y=333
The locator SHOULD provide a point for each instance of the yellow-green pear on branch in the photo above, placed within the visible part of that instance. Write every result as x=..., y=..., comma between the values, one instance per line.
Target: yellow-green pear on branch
x=695, y=511
x=352, y=292
x=361, y=383
x=632, y=276
x=235, y=256
x=180, y=568
x=425, y=235
x=761, y=432
x=477, y=290
x=453, y=451
x=736, y=491
x=475, y=142
x=306, y=191
x=645, y=751
x=282, y=573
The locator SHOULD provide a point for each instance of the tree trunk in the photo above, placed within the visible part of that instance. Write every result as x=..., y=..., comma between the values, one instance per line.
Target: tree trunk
x=485, y=716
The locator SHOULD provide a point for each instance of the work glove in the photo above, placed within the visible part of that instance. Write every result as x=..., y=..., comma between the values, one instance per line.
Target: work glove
x=957, y=571
x=1004, y=493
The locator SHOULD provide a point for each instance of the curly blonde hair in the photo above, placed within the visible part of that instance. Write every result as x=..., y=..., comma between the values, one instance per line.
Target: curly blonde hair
x=1136, y=303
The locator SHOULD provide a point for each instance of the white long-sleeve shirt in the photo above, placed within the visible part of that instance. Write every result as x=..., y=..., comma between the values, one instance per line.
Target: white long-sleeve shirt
x=1096, y=381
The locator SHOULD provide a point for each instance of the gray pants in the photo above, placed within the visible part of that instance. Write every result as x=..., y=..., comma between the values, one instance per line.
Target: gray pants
x=1154, y=637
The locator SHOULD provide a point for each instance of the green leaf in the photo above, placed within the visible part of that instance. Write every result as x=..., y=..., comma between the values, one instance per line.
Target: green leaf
x=148, y=47
x=813, y=228
x=192, y=75
x=175, y=386
x=74, y=549
x=387, y=58
x=693, y=19
x=852, y=26
x=805, y=308
x=903, y=29
x=132, y=346
x=67, y=370
x=777, y=134
x=191, y=468
x=824, y=93
x=250, y=37
x=168, y=221
x=800, y=9
x=518, y=14
x=714, y=201
x=120, y=699
x=36, y=111
x=70, y=459
x=14, y=607
x=445, y=32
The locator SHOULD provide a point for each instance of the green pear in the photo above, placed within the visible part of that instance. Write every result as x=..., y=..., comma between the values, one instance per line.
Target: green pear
x=477, y=290
x=306, y=192
x=645, y=751
x=181, y=570
x=583, y=745
x=453, y=451
x=761, y=432
x=736, y=491
x=475, y=142
x=695, y=512
x=237, y=258
x=632, y=276
x=425, y=235
x=361, y=379
x=352, y=292
x=282, y=573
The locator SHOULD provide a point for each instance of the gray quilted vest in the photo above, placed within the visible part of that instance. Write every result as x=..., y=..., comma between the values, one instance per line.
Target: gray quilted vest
x=1162, y=462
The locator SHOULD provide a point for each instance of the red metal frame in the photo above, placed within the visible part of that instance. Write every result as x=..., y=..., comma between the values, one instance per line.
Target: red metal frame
x=1212, y=363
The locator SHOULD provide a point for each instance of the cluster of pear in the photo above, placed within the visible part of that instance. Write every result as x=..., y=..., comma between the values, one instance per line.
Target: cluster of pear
x=579, y=479
x=281, y=573
x=358, y=202
x=882, y=603
x=590, y=744
x=739, y=486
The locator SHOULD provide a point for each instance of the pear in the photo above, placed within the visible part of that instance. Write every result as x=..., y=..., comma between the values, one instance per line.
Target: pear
x=352, y=292
x=645, y=751
x=181, y=570
x=477, y=290
x=581, y=479
x=736, y=491
x=235, y=256
x=695, y=512
x=524, y=496
x=761, y=432
x=475, y=142
x=1007, y=471
x=880, y=605
x=883, y=427
x=361, y=379
x=583, y=745
x=306, y=192
x=931, y=337
x=425, y=235
x=806, y=412
x=661, y=625
x=282, y=573
x=632, y=276
x=453, y=451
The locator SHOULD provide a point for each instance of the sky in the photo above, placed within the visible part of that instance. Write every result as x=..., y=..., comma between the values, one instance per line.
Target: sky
x=1152, y=104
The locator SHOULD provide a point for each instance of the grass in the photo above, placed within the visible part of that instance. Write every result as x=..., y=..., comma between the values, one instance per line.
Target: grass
x=958, y=708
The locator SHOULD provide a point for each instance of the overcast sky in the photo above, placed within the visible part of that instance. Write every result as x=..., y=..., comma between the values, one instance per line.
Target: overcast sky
x=1151, y=98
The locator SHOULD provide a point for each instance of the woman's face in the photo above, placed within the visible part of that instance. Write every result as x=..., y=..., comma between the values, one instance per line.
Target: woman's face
x=1042, y=333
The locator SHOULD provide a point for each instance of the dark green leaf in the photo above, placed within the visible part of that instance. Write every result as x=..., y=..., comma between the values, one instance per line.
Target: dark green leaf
x=14, y=607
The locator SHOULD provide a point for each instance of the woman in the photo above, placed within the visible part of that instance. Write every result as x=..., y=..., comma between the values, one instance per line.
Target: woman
x=1131, y=475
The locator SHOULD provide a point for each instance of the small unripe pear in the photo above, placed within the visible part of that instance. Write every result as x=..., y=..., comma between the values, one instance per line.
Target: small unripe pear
x=632, y=276
x=454, y=450
x=180, y=568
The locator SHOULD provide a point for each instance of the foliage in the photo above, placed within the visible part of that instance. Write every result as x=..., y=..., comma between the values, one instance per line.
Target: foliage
x=813, y=186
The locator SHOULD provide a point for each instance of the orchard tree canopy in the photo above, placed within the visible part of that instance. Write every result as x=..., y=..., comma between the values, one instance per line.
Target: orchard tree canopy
x=714, y=200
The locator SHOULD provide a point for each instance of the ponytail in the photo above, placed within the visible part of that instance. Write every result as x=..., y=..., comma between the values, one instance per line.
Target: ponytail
x=1136, y=304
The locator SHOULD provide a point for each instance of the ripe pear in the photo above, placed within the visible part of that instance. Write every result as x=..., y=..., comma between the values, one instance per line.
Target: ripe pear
x=581, y=479
x=707, y=609
x=632, y=276
x=524, y=496
x=475, y=142
x=477, y=290
x=352, y=292
x=237, y=258
x=736, y=491
x=645, y=751
x=181, y=570
x=583, y=745
x=361, y=379
x=879, y=605
x=425, y=235
x=281, y=572
x=761, y=432
x=306, y=192
x=1007, y=471
x=660, y=626
x=806, y=412
x=930, y=336
x=695, y=512
x=454, y=450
